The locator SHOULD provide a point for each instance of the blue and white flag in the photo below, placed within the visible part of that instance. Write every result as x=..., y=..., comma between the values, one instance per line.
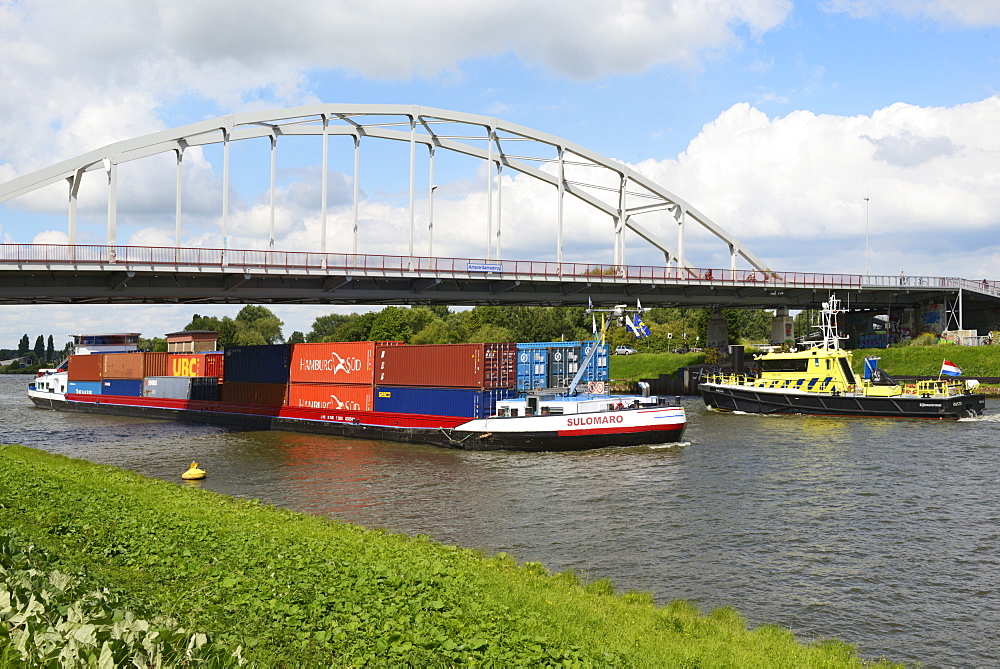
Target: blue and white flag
x=637, y=327
x=950, y=369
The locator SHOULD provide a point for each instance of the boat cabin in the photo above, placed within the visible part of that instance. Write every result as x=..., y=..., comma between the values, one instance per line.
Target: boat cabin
x=125, y=342
x=558, y=405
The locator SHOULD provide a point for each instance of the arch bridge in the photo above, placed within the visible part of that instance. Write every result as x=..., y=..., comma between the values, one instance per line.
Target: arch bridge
x=627, y=199
x=632, y=204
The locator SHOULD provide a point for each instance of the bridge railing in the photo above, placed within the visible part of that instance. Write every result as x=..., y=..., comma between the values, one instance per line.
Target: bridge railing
x=133, y=258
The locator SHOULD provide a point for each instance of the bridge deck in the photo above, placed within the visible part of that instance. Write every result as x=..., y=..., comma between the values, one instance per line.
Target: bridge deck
x=35, y=274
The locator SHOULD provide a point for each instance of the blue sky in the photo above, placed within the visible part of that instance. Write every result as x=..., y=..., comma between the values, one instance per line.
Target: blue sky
x=775, y=118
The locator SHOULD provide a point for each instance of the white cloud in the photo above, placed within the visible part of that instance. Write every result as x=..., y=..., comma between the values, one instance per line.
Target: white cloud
x=77, y=75
x=775, y=183
x=963, y=13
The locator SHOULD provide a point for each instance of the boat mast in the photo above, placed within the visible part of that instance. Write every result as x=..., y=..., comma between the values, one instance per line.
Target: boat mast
x=828, y=324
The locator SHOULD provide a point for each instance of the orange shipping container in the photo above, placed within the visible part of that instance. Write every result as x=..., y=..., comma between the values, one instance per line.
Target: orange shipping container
x=331, y=396
x=256, y=394
x=481, y=366
x=86, y=367
x=195, y=364
x=350, y=362
x=135, y=365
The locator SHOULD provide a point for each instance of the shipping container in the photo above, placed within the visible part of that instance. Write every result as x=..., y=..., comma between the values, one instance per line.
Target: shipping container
x=84, y=387
x=554, y=364
x=268, y=363
x=182, y=387
x=447, y=365
x=597, y=370
x=351, y=362
x=135, y=365
x=86, y=367
x=532, y=368
x=258, y=394
x=122, y=387
x=195, y=364
x=463, y=402
x=330, y=396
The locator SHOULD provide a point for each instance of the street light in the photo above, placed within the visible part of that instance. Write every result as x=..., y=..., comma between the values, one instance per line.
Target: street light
x=866, y=236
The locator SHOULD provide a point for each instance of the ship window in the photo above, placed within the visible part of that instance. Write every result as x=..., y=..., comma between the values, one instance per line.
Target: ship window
x=556, y=411
x=848, y=372
x=784, y=365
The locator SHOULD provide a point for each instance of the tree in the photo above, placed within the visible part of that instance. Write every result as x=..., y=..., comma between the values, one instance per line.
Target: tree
x=490, y=334
x=261, y=320
x=325, y=326
x=356, y=328
x=296, y=338
x=154, y=344
x=436, y=332
x=23, y=346
x=390, y=324
x=39, y=349
x=50, y=350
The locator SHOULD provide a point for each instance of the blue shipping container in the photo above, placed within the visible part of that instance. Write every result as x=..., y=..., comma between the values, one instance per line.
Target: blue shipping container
x=597, y=370
x=269, y=363
x=84, y=387
x=554, y=364
x=464, y=402
x=123, y=387
x=532, y=368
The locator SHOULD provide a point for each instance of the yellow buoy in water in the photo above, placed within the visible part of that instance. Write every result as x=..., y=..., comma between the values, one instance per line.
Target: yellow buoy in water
x=193, y=473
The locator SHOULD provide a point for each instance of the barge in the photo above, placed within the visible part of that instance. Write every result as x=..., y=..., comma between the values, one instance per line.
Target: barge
x=258, y=390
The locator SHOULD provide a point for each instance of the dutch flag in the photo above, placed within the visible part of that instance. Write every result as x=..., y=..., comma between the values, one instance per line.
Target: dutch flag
x=950, y=369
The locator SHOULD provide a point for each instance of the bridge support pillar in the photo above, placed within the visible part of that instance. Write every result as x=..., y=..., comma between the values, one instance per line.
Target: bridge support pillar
x=718, y=331
x=782, y=326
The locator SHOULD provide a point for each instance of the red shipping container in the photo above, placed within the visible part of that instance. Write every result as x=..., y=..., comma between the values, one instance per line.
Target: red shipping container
x=350, y=362
x=256, y=394
x=214, y=364
x=86, y=367
x=135, y=365
x=447, y=365
x=334, y=396
x=195, y=364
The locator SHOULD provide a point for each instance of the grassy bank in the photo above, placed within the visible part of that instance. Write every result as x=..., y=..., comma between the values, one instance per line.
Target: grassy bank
x=650, y=365
x=974, y=361
x=293, y=590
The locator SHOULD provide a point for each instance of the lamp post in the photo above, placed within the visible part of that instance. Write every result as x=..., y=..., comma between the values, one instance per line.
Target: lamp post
x=866, y=236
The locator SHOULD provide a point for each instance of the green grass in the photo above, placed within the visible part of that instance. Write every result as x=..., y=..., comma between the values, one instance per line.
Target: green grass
x=650, y=365
x=926, y=360
x=293, y=590
x=906, y=360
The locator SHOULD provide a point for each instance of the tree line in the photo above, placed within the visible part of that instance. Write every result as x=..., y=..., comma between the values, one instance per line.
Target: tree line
x=41, y=354
x=670, y=328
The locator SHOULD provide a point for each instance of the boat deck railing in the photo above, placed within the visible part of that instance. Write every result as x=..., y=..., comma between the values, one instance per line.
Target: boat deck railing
x=926, y=388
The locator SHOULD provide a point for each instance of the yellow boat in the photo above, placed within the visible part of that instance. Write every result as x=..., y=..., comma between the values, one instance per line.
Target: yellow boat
x=820, y=380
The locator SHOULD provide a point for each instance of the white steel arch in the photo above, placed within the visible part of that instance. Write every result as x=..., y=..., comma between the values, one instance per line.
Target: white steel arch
x=630, y=194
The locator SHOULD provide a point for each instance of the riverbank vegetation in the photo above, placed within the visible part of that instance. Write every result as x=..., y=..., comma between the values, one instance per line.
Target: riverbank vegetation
x=974, y=361
x=121, y=558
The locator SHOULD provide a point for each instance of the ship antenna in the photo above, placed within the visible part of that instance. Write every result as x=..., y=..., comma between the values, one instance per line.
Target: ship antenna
x=828, y=324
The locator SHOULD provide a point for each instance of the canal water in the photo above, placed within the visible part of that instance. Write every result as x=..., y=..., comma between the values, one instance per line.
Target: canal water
x=883, y=533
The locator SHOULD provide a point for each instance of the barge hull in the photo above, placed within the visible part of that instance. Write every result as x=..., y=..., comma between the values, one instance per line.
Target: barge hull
x=403, y=428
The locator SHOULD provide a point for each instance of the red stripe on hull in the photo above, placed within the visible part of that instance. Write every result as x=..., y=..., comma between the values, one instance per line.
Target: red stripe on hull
x=620, y=430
